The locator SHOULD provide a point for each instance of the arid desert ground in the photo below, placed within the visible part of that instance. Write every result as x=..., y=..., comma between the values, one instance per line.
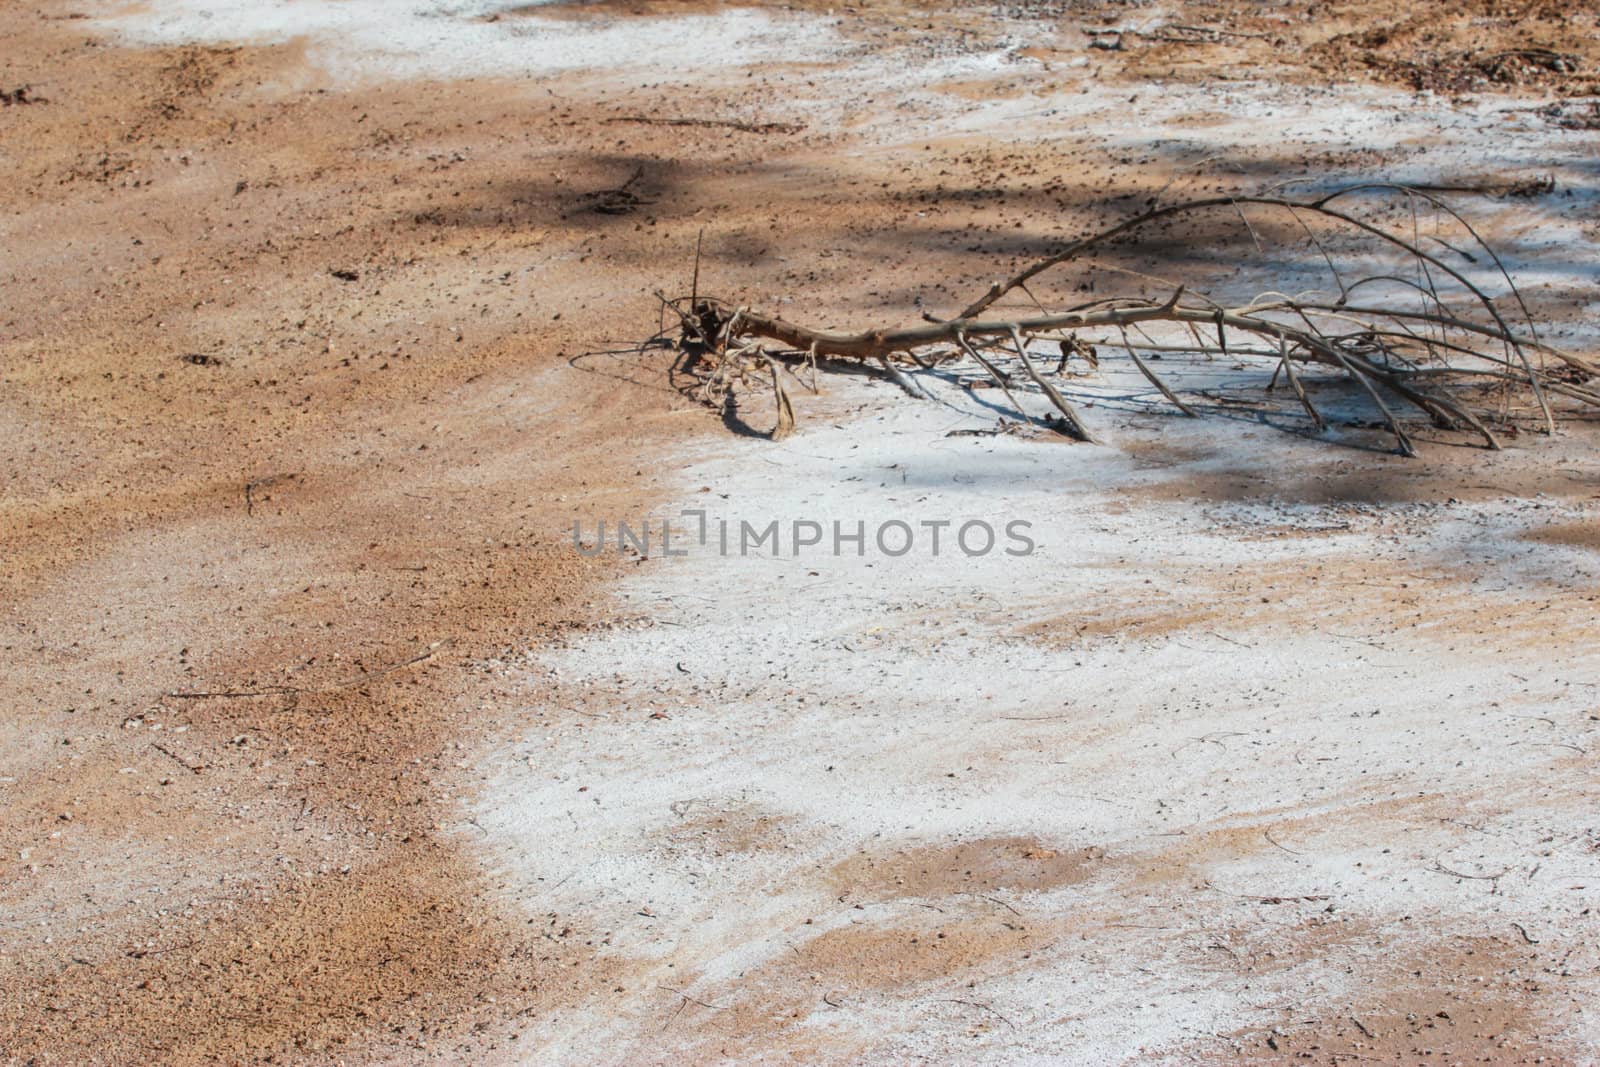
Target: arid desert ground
x=323, y=322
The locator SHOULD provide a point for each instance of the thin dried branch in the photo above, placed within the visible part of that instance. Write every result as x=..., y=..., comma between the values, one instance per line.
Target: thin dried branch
x=1071, y=423
x=1385, y=347
x=1294, y=383
x=1144, y=368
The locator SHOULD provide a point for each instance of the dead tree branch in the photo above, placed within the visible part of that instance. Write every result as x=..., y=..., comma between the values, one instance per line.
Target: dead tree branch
x=1433, y=342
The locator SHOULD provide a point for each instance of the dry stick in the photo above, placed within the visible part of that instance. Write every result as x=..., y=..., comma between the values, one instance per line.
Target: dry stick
x=1321, y=207
x=730, y=124
x=1416, y=250
x=1453, y=213
x=873, y=343
x=1588, y=396
x=1464, y=325
x=1144, y=368
x=903, y=380
x=230, y=694
x=1142, y=332
x=1294, y=383
x=998, y=289
x=1074, y=425
x=994, y=372
x=380, y=672
x=694, y=283
x=1001, y=377
x=284, y=690
x=1404, y=335
x=1362, y=333
x=1253, y=235
x=1406, y=447
x=687, y=999
x=1420, y=398
x=1434, y=411
x=1434, y=405
x=1219, y=33
x=1333, y=270
x=1317, y=345
x=1164, y=282
x=785, y=410
x=985, y=1007
x=1314, y=338
x=1268, y=835
x=687, y=326
x=1200, y=345
x=1431, y=290
x=795, y=374
x=1399, y=280
x=192, y=768
x=1464, y=254
x=1439, y=868
x=1029, y=294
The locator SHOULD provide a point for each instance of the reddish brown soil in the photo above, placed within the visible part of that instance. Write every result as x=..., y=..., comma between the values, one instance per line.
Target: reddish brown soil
x=1464, y=1001
x=1454, y=47
x=231, y=470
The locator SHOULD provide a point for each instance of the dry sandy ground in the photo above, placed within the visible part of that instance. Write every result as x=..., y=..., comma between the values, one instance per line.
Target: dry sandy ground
x=299, y=399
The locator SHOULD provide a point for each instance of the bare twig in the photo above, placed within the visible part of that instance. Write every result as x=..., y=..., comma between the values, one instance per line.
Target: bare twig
x=193, y=768
x=1439, y=868
x=727, y=124
x=285, y=690
x=983, y=1007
